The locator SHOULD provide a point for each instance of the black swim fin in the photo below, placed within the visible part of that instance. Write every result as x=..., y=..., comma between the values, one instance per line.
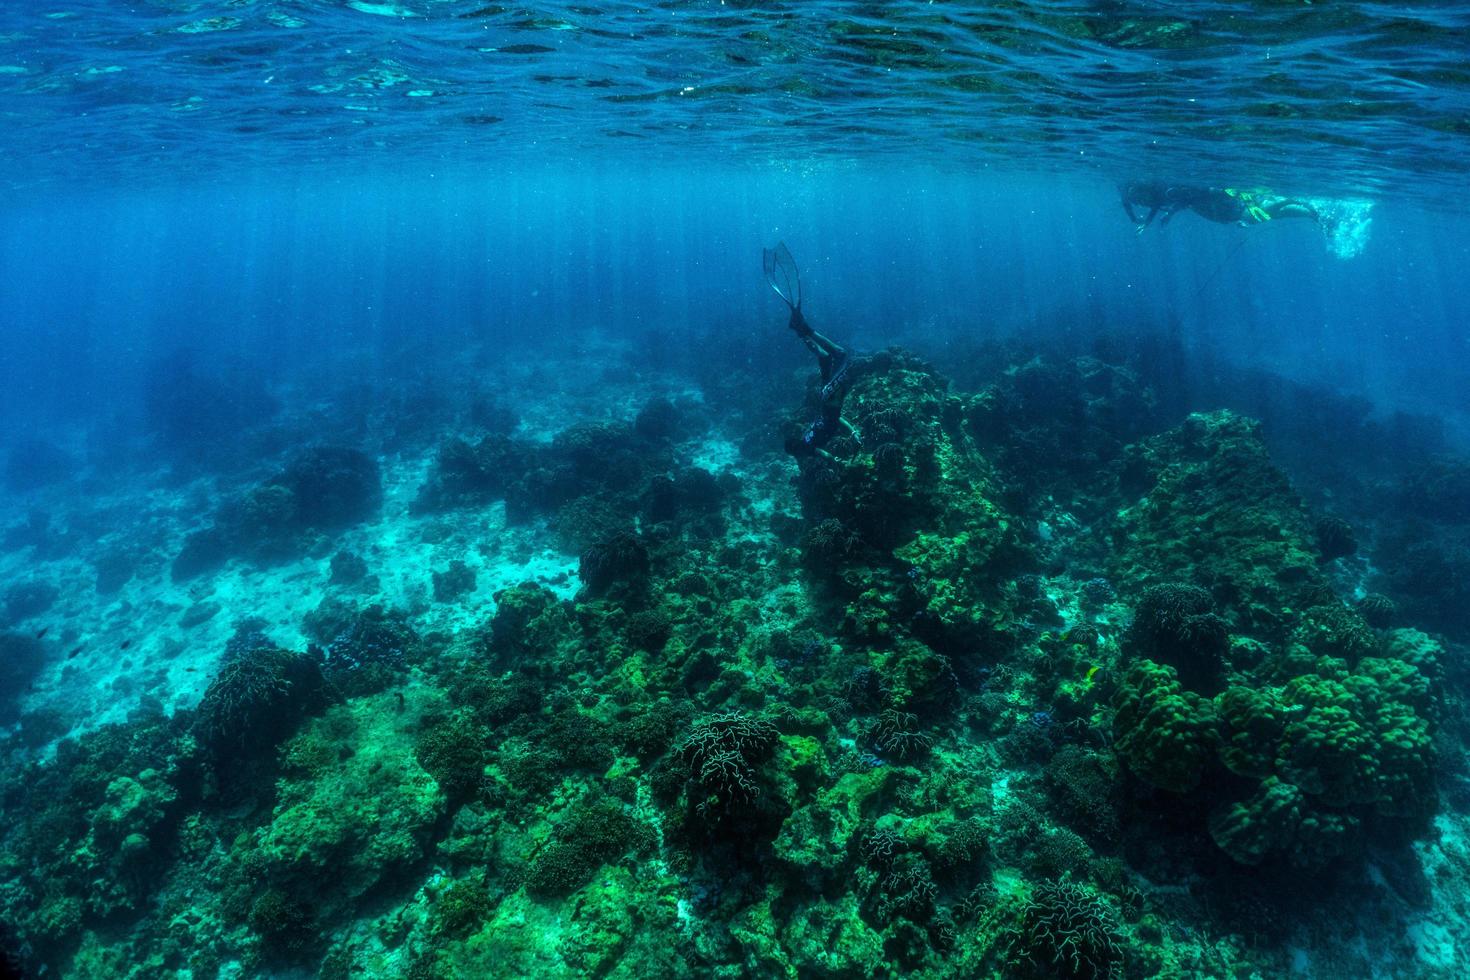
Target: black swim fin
x=781, y=273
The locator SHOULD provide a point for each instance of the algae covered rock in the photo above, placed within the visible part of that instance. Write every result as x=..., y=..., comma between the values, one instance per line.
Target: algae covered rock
x=337, y=833
x=466, y=474
x=817, y=840
x=321, y=489
x=97, y=829
x=528, y=626
x=911, y=519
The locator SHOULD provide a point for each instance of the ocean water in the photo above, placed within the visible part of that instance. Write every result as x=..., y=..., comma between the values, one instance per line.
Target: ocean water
x=431, y=548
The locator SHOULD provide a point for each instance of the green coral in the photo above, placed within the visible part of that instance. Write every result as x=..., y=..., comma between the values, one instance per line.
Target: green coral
x=1330, y=753
x=1326, y=749
x=1210, y=506
x=1420, y=651
x=1252, y=722
x=453, y=752
x=1264, y=824
x=594, y=833
x=529, y=623
x=1281, y=823
x=1166, y=734
x=462, y=907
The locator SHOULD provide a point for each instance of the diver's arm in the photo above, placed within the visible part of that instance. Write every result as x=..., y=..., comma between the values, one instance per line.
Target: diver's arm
x=852, y=431
x=1128, y=209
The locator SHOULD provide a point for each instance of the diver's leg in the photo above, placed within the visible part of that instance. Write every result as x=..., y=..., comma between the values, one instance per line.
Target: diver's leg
x=1292, y=209
x=798, y=324
x=828, y=346
x=825, y=364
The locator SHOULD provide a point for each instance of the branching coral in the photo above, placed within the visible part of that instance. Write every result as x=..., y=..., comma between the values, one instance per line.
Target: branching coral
x=1084, y=786
x=896, y=732
x=1176, y=624
x=259, y=695
x=828, y=544
x=1067, y=932
x=1335, y=538
x=619, y=559
x=1377, y=610
x=373, y=637
x=723, y=753
x=1334, y=630
x=453, y=752
x=908, y=892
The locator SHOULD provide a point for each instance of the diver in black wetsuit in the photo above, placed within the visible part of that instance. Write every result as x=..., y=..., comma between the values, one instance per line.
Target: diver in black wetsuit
x=1223, y=205
x=833, y=360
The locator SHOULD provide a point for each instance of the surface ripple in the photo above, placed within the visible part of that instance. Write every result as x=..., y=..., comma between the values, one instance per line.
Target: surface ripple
x=1356, y=96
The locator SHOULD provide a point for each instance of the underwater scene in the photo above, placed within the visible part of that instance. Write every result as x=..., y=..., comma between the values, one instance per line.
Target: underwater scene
x=734, y=489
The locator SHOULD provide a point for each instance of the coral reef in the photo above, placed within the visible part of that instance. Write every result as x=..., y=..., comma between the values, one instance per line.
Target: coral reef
x=1034, y=676
x=319, y=490
x=259, y=696
x=22, y=656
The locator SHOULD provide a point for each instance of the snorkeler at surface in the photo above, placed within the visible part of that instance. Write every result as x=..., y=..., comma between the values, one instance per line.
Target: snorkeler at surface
x=1224, y=205
x=833, y=360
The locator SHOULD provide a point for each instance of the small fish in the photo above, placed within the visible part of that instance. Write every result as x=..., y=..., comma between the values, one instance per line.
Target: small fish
x=78, y=650
x=40, y=634
x=125, y=644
